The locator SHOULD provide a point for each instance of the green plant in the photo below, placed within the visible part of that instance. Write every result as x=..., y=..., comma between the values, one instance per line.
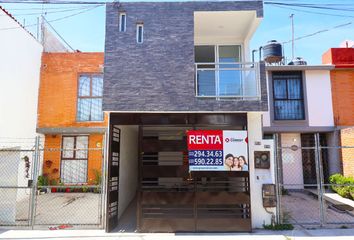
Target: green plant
x=96, y=190
x=61, y=184
x=42, y=181
x=279, y=227
x=342, y=185
x=85, y=189
x=98, y=177
x=53, y=182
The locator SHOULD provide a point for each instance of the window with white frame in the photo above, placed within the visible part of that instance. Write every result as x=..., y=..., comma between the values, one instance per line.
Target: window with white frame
x=74, y=158
x=89, y=102
x=140, y=33
x=122, y=22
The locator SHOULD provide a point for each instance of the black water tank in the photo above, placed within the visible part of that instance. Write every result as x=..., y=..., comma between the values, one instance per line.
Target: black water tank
x=298, y=61
x=272, y=52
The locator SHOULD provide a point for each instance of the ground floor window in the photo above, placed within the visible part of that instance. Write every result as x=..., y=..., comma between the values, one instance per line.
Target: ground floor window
x=74, y=159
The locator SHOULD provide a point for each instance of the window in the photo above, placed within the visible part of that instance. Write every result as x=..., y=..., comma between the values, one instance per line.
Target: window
x=122, y=22
x=139, y=33
x=217, y=70
x=74, y=159
x=89, y=105
x=288, y=96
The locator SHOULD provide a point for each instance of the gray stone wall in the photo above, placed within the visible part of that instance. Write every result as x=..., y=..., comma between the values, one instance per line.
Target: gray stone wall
x=158, y=75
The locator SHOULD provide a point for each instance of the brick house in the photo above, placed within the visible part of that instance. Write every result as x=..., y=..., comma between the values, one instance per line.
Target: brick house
x=342, y=81
x=70, y=116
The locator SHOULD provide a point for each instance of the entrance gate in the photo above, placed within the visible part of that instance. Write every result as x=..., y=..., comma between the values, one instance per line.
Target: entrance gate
x=310, y=192
x=171, y=199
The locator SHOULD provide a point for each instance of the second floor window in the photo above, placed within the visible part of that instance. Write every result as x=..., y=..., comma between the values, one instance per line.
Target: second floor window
x=89, y=102
x=288, y=96
x=139, y=33
x=122, y=22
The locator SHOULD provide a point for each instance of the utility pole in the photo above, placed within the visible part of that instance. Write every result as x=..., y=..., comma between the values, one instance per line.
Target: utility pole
x=38, y=29
x=292, y=36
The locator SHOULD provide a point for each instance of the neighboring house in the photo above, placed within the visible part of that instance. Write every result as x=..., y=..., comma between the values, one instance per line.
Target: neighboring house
x=342, y=80
x=183, y=67
x=20, y=68
x=20, y=59
x=70, y=116
x=300, y=105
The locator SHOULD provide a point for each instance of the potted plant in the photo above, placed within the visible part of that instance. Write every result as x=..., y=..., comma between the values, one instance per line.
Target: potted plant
x=42, y=181
x=53, y=182
x=61, y=186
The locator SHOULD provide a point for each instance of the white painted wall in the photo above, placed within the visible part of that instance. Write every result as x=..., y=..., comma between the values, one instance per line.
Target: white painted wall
x=292, y=161
x=258, y=177
x=128, y=169
x=319, y=98
x=20, y=62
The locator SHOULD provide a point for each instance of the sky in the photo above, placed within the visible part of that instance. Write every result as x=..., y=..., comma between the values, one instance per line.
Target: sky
x=83, y=27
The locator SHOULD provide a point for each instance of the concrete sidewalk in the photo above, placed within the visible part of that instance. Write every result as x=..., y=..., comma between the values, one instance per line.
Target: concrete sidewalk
x=338, y=234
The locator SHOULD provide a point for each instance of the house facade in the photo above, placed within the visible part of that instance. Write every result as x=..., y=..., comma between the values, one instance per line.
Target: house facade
x=342, y=80
x=184, y=69
x=297, y=96
x=70, y=116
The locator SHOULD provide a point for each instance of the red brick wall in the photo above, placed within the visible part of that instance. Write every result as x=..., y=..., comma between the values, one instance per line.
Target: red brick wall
x=52, y=152
x=58, y=88
x=347, y=140
x=342, y=82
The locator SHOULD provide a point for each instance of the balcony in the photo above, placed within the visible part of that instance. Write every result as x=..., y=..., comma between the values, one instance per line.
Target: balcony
x=227, y=81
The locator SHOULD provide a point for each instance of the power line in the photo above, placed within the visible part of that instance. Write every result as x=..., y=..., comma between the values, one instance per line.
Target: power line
x=58, y=34
x=320, y=31
x=313, y=12
x=54, y=20
x=50, y=12
x=56, y=2
x=316, y=6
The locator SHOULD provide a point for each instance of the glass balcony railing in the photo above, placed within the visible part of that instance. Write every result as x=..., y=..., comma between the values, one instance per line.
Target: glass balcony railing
x=227, y=80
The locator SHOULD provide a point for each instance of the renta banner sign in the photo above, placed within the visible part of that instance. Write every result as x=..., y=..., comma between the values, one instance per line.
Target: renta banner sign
x=217, y=150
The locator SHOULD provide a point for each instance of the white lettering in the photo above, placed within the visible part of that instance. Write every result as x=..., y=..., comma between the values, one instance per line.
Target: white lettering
x=204, y=139
x=192, y=139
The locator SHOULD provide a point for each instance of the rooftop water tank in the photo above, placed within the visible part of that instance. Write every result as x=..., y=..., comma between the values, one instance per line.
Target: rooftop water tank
x=298, y=61
x=272, y=52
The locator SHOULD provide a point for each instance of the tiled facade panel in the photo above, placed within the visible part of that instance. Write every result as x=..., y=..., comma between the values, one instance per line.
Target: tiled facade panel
x=158, y=75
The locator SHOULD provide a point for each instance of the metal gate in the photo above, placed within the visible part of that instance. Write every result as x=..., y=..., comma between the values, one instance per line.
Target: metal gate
x=37, y=190
x=172, y=199
x=308, y=193
x=113, y=178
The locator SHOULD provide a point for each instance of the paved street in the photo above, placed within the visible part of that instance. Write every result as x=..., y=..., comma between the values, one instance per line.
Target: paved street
x=338, y=234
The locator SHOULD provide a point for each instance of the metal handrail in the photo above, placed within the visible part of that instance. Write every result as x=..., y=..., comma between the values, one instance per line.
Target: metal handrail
x=217, y=69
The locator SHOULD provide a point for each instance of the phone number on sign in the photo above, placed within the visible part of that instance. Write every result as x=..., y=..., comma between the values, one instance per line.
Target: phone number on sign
x=207, y=161
x=205, y=153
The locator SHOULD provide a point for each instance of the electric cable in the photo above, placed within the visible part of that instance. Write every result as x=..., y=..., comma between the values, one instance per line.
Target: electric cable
x=54, y=20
